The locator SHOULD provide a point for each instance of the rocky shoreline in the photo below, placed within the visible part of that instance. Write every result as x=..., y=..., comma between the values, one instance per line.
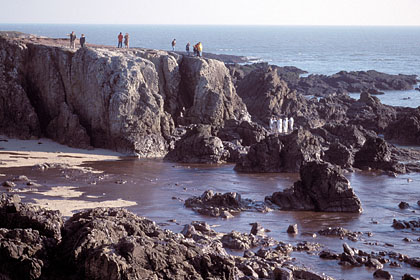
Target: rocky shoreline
x=112, y=243
x=157, y=104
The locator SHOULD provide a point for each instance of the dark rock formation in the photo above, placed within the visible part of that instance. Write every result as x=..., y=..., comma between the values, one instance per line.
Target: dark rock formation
x=376, y=154
x=406, y=129
x=116, y=244
x=28, y=236
x=401, y=224
x=14, y=214
x=248, y=133
x=355, y=81
x=340, y=155
x=281, y=153
x=127, y=101
x=217, y=204
x=110, y=243
x=322, y=188
x=198, y=145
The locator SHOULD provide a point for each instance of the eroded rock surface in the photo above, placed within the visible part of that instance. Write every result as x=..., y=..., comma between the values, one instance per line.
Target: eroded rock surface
x=322, y=187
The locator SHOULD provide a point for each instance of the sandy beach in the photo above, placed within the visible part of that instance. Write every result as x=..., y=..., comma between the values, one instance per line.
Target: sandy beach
x=29, y=153
x=19, y=153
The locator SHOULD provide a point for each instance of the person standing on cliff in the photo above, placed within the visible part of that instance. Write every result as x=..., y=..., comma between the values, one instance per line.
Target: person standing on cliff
x=187, y=48
x=120, y=40
x=200, y=49
x=173, y=44
x=72, y=40
x=82, y=40
x=126, y=38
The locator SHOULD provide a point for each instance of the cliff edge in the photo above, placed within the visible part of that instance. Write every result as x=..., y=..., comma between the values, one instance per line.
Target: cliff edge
x=125, y=100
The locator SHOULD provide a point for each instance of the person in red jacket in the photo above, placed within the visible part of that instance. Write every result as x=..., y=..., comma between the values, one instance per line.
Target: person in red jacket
x=120, y=40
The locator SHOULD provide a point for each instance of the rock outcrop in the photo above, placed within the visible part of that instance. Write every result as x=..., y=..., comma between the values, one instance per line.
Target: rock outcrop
x=198, y=145
x=285, y=153
x=322, y=187
x=376, y=154
x=125, y=100
x=28, y=237
x=111, y=243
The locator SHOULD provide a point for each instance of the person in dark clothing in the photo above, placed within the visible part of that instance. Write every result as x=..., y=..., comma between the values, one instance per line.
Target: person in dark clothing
x=187, y=48
x=82, y=40
x=173, y=44
x=195, y=50
x=120, y=40
x=72, y=40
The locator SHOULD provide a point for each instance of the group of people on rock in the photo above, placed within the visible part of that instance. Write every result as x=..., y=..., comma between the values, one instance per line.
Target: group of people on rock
x=279, y=125
x=197, y=48
x=126, y=38
x=73, y=38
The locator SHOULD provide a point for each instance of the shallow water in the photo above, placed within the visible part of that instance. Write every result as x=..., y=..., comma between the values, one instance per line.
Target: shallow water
x=403, y=98
x=154, y=184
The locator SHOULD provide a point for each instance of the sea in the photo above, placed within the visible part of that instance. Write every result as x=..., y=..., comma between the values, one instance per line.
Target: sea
x=159, y=188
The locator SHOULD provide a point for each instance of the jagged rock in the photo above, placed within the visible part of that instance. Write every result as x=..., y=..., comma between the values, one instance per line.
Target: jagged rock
x=234, y=150
x=376, y=154
x=322, y=188
x=257, y=229
x=409, y=277
x=243, y=241
x=28, y=236
x=265, y=93
x=372, y=262
x=215, y=204
x=340, y=232
x=328, y=255
x=382, y=274
x=283, y=274
x=292, y=229
x=340, y=155
x=114, y=243
x=247, y=133
x=348, y=250
x=15, y=214
x=354, y=81
x=398, y=224
x=126, y=101
x=198, y=145
x=23, y=254
x=406, y=129
x=210, y=96
x=281, y=153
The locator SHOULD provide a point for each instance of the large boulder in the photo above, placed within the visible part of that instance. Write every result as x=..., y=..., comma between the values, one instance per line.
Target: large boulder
x=28, y=237
x=406, y=129
x=15, y=214
x=246, y=132
x=198, y=145
x=283, y=153
x=322, y=187
x=376, y=154
x=208, y=93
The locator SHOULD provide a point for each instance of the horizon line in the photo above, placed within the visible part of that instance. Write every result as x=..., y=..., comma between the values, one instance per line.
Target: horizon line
x=222, y=24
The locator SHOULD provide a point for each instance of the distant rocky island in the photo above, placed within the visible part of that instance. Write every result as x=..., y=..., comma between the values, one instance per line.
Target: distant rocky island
x=158, y=104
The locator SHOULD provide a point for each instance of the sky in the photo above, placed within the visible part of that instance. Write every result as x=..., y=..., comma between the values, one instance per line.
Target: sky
x=219, y=12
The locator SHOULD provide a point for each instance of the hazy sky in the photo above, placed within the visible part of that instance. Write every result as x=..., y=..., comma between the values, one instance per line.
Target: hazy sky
x=272, y=12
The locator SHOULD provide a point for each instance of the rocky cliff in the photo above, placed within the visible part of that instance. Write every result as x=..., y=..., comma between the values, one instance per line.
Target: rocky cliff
x=125, y=100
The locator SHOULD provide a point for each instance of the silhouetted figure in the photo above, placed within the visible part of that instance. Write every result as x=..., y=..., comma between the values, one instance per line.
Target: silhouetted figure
x=120, y=40
x=126, y=39
x=72, y=40
x=173, y=44
x=82, y=40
